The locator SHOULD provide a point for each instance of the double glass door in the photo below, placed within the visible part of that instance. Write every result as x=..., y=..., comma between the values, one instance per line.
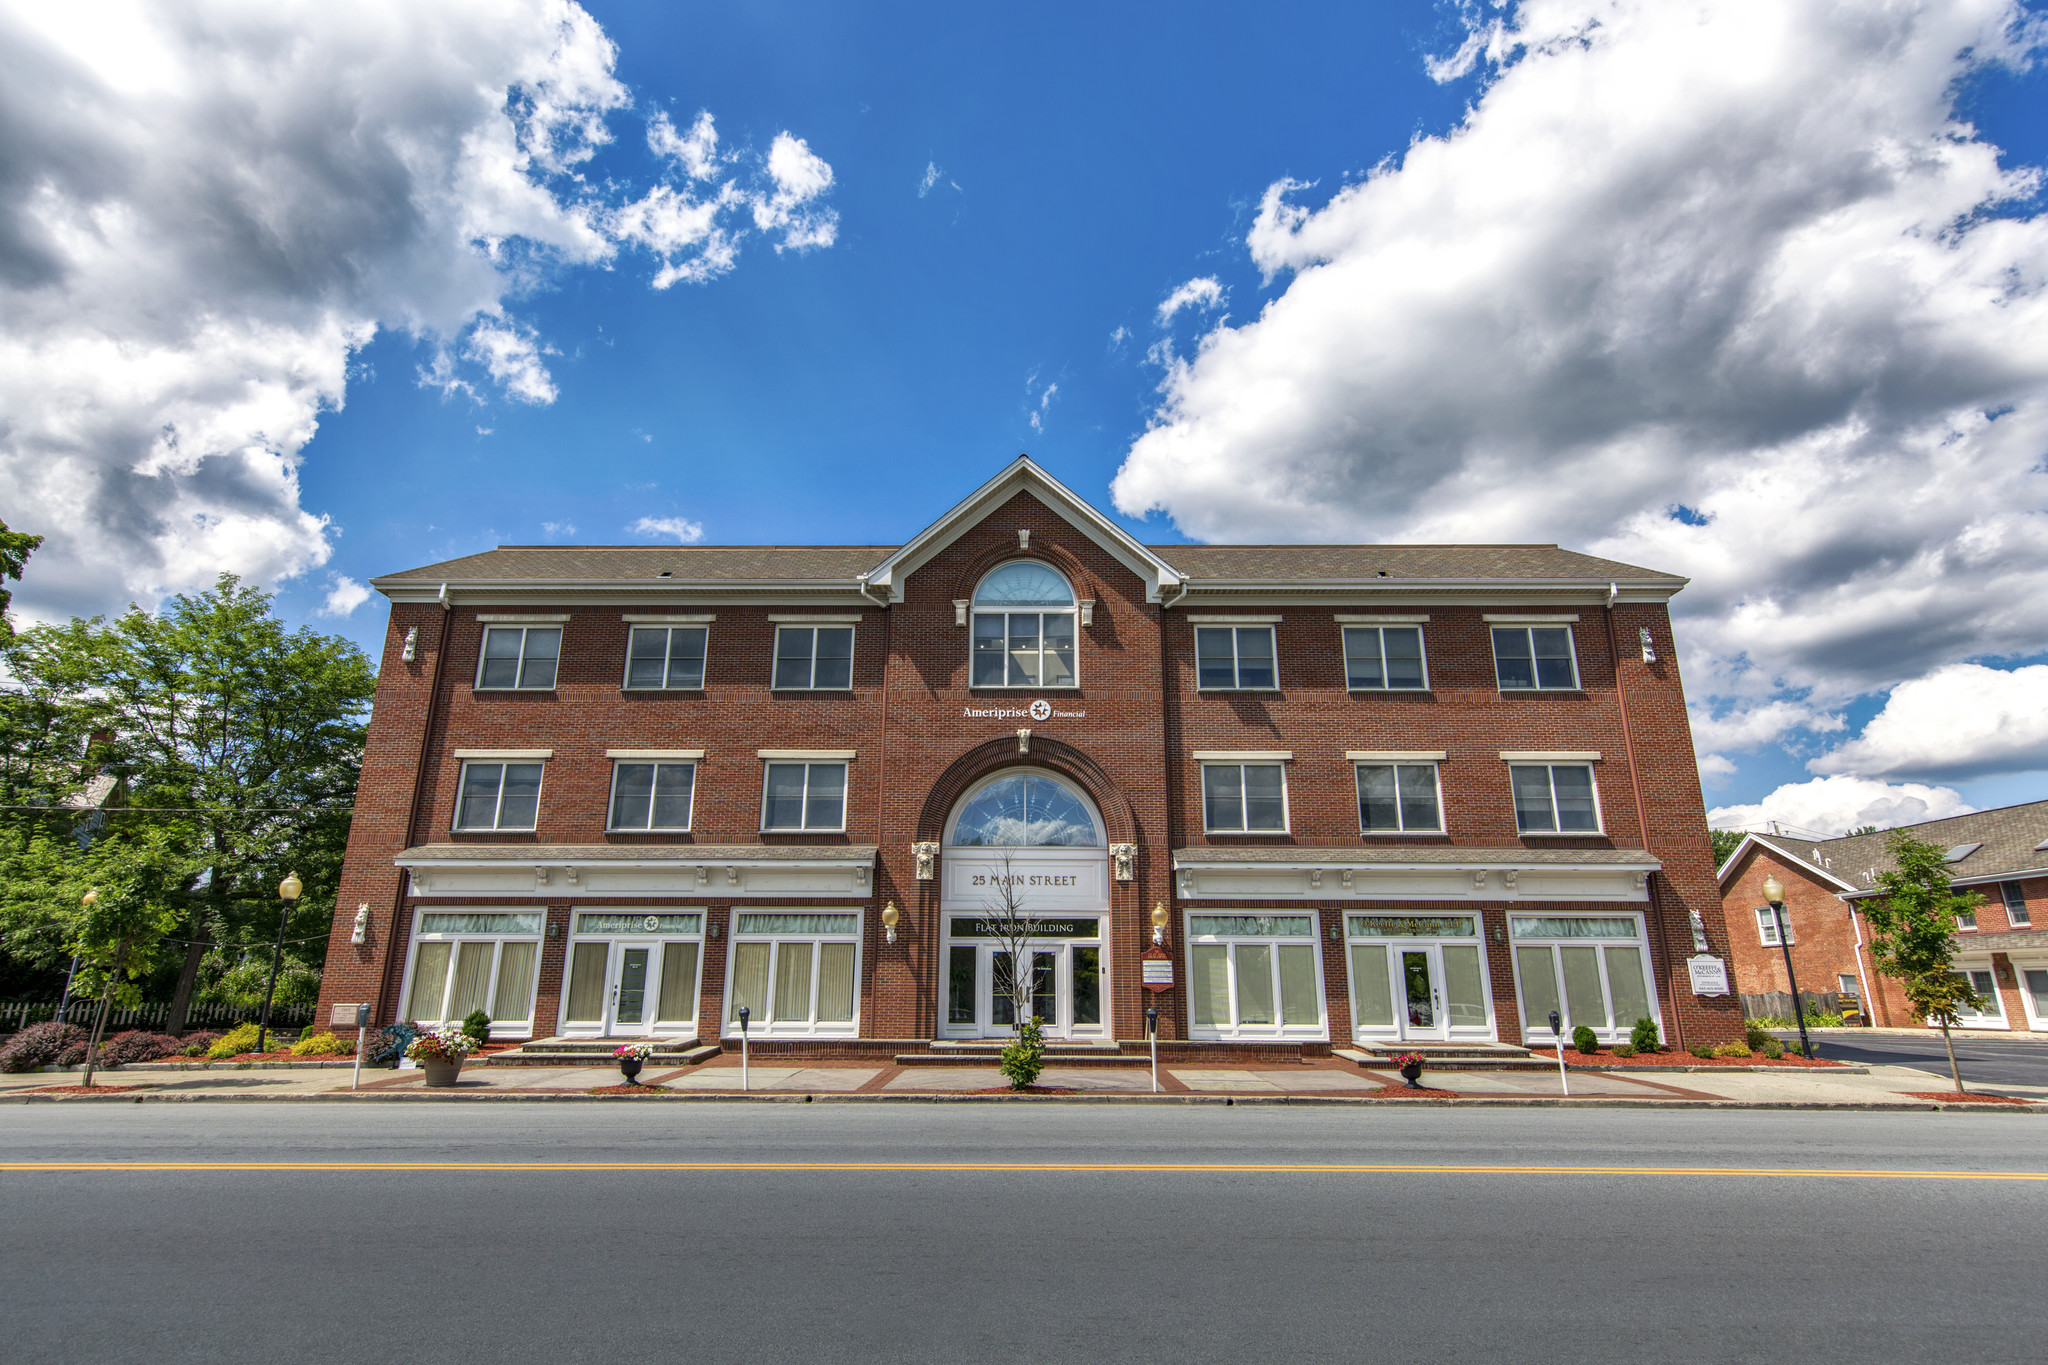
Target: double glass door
x=1409, y=988
x=1065, y=989
x=631, y=987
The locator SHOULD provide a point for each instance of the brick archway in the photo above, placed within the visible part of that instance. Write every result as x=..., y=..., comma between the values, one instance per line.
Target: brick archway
x=1053, y=755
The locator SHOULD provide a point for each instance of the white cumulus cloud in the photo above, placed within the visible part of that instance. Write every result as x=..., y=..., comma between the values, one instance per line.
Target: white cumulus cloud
x=676, y=528
x=1727, y=289
x=344, y=595
x=207, y=207
x=1961, y=721
x=1830, y=806
x=1204, y=293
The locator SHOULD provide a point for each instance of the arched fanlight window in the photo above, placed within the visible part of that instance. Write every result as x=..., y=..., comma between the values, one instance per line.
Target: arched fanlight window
x=1024, y=628
x=1025, y=810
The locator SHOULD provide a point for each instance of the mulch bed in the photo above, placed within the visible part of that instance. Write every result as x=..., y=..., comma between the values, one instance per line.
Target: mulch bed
x=1967, y=1097
x=1400, y=1092
x=83, y=1089
x=1027, y=1090
x=1677, y=1059
x=625, y=1090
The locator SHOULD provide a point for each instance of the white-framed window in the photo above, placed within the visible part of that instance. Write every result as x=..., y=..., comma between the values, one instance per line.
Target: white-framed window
x=466, y=960
x=519, y=658
x=633, y=972
x=2015, y=898
x=1534, y=658
x=813, y=658
x=1384, y=658
x=797, y=971
x=498, y=796
x=1254, y=975
x=670, y=658
x=1990, y=1014
x=1592, y=969
x=1024, y=632
x=1555, y=798
x=653, y=795
x=1966, y=921
x=1244, y=798
x=1235, y=659
x=1767, y=926
x=1399, y=798
x=1846, y=984
x=804, y=797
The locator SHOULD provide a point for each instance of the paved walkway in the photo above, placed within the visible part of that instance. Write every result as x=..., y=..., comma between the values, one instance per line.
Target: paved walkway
x=1329, y=1078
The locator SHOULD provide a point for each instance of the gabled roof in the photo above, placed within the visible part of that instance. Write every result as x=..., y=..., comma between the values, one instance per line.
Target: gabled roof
x=2009, y=843
x=1024, y=476
x=1801, y=852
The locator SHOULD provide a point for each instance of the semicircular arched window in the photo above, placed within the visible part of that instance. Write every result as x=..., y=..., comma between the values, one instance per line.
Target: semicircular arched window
x=1025, y=810
x=1023, y=628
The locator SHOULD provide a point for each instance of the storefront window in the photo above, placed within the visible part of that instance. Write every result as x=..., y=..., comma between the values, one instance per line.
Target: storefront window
x=1252, y=975
x=1600, y=985
x=475, y=960
x=795, y=971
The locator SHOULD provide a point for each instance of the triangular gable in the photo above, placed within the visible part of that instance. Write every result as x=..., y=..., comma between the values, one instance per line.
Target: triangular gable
x=1788, y=858
x=1022, y=474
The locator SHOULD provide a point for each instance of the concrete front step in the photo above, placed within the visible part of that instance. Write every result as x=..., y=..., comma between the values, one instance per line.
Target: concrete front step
x=1498, y=1058
x=985, y=1057
x=598, y=1052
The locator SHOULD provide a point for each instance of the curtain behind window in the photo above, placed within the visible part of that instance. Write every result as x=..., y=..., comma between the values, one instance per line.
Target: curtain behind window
x=750, y=979
x=793, y=982
x=429, y=980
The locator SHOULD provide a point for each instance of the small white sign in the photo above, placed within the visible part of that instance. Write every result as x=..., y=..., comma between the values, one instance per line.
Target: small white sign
x=1709, y=975
x=1158, y=971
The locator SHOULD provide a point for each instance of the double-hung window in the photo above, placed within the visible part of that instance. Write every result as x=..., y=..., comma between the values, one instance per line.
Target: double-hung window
x=1534, y=658
x=1244, y=798
x=1767, y=927
x=653, y=795
x=1555, y=798
x=1399, y=798
x=803, y=796
x=1384, y=658
x=813, y=658
x=498, y=795
x=667, y=657
x=2015, y=898
x=1023, y=628
x=1235, y=659
x=521, y=658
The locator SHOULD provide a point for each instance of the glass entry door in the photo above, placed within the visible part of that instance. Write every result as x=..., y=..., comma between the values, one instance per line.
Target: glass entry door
x=1066, y=990
x=631, y=988
x=1422, y=995
x=1418, y=978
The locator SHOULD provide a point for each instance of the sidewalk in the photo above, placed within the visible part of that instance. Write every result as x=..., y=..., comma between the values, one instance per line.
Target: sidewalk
x=1328, y=1080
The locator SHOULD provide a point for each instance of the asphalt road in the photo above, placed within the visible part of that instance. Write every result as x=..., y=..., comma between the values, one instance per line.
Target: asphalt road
x=817, y=1265
x=1988, y=1060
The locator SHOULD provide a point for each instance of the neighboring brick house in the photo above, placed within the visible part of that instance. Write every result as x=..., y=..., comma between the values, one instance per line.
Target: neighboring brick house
x=1381, y=793
x=2001, y=854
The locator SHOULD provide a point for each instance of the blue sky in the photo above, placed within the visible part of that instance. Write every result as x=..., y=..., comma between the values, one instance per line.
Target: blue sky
x=1650, y=281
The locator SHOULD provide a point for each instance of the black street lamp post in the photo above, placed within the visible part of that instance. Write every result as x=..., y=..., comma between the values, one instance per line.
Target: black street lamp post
x=1774, y=892
x=289, y=890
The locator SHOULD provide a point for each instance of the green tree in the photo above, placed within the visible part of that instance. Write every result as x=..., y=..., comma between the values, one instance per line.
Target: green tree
x=137, y=890
x=1913, y=935
x=15, y=548
x=1725, y=842
x=242, y=742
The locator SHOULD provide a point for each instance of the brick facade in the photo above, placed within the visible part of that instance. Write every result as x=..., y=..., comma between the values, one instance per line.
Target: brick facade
x=918, y=751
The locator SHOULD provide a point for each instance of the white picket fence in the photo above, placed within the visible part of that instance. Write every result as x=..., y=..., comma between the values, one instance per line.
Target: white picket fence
x=16, y=1014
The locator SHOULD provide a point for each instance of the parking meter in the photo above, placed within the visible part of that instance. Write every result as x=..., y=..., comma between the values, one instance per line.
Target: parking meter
x=745, y=1014
x=1557, y=1031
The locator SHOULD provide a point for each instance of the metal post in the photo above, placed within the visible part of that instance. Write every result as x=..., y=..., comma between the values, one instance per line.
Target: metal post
x=276, y=954
x=1785, y=945
x=1557, y=1032
x=362, y=1031
x=1152, y=1027
x=745, y=1014
x=64, y=1000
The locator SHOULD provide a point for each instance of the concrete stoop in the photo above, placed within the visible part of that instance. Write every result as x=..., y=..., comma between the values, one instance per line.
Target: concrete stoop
x=990, y=1053
x=598, y=1052
x=1448, y=1056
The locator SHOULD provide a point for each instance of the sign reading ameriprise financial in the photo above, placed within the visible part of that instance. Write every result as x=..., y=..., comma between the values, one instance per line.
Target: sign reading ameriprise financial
x=1037, y=710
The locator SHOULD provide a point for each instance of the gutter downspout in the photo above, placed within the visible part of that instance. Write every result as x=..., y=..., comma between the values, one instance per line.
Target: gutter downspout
x=412, y=816
x=1170, y=733
x=1871, y=995
x=881, y=794
x=1628, y=745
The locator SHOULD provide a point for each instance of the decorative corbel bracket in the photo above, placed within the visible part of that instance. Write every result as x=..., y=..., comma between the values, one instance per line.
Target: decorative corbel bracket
x=1124, y=857
x=540, y=876
x=960, y=611
x=1479, y=880
x=575, y=876
x=1187, y=881
x=732, y=876
x=1315, y=879
x=703, y=876
x=860, y=876
x=1024, y=741
x=1508, y=877
x=1347, y=880
x=927, y=860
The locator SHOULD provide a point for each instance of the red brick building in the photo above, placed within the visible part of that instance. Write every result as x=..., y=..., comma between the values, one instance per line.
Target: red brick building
x=1382, y=793
x=2000, y=854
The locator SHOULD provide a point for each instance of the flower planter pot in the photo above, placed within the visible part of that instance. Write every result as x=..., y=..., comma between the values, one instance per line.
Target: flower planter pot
x=1412, y=1073
x=441, y=1073
x=629, y=1067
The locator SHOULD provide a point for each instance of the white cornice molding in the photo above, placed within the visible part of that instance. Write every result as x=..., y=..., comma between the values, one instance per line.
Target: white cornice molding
x=507, y=755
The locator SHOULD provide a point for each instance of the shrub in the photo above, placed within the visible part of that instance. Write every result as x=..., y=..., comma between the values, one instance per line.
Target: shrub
x=1703, y=1050
x=1771, y=1021
x=1024, y=1059
x=1772, y=1049
x=74, y=1053
x=197, y=1043
x=1753, y=1034
x=1624, y=1049
x=323, y=1045
x=237, y=1040
x=477, y=1025
x=138, y=1045
x=1733, y=1050
x=1643, y=1038
x=40, y=1045
x=1584, y=1041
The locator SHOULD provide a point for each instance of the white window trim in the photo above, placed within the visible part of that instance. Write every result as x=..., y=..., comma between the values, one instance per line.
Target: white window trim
x=669, y=625
x=1402, y=829
x=612, y=797
x=1533, y=756
x=849, y=623
x=1196, y=619
x=1767, y=930
x=505, y=755
x=782, y=619
x=808, y=755
x=2026, y=920
x=1556, y=619
x=1599, y=829
x=1317, y=1032
x=698, y=619
x=455, y=824
x=412, y=957
x=1243, y=755
x=1242, y=761
x=1641, y=943
x=1395, y=755
x=1380, y=623
x=967, y=610
x=1524, y=623
x=845, y=797
x=1977, y=1020
x=656, y=755
x=730, y=1027
x=523, y=618
x=525, y=626
x=1236, y=668
x=1398, y=1030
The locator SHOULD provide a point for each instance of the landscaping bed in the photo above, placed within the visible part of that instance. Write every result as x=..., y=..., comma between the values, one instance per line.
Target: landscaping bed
x=83, y=1089
x=1398, y=1092
x=1608, y=1061
x=1965, y=1097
